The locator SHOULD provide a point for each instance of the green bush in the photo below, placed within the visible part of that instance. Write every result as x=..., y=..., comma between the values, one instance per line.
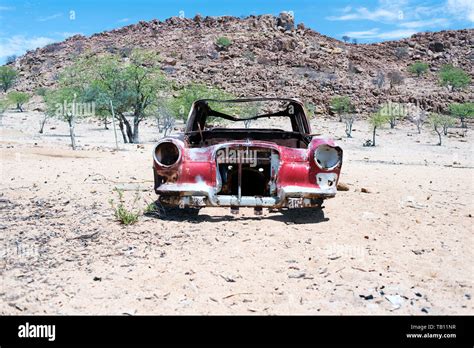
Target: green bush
x=440, y=124
x=341, y=105
x=7, y=77
x=462, y=111
x=18, y=98
x=4, y=105
x=418, y=68
x=150, y=208
x=455, y=77
x=223, y=42
x=133, y=86
x=124, y=215
x=393, y=112
x=377, y=120
x=180, y=105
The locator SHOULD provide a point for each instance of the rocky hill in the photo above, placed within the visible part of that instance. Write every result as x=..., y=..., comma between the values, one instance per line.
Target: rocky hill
x=269, y=56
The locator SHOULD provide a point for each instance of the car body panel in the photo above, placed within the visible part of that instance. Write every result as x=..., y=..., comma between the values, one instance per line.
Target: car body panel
x=291, y=176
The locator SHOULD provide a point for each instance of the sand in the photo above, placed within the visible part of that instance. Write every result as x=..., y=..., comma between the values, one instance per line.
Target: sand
x=405, y=247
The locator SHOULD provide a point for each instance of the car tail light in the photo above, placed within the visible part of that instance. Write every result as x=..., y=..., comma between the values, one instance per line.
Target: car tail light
x=327, y=157
x=167, y=154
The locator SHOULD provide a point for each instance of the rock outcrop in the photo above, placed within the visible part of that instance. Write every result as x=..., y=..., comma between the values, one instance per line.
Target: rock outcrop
x=269, y=56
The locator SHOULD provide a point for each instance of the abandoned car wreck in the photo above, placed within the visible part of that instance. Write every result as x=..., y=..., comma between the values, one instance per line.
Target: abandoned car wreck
x=223, y=160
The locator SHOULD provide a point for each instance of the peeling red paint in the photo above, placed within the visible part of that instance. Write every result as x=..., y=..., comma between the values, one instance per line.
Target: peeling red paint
x=292, y=172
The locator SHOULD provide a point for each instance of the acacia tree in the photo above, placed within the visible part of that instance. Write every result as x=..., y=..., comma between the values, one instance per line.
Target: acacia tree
x=447, y=122
x=107, y=85
x=436, y=121
x=349, y=121
x=393, y=112
x=418, y=68
x=132, y=85
x=146, y=78
x=376, y=120
x=454, y=77
x=4, y=104
x=180, y=104
x=67, y=102
x=462, y=111
x=7, y=77
x=18, y=98
x=341, y=105
x=61, y=103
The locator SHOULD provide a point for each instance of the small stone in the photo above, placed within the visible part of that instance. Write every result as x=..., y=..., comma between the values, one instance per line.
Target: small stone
x=365, y=190
x=297, y=275
x=395, y=300
x=367, y=297
x=342, y=187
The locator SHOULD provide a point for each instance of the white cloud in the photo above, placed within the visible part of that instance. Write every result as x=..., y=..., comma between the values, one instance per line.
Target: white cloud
x=461, y=8
x=363, y=33
x=18, y=45
x=439, y=22
x=386, y=11
x=404, y=15
x=347, y=9
x=123, y=20
x=364, y=13
x=396, y=11
x=375, y=33
x=406, y=18
x=48, y=18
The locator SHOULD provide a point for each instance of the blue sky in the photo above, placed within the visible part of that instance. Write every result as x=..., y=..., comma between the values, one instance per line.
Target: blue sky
x=26, y=25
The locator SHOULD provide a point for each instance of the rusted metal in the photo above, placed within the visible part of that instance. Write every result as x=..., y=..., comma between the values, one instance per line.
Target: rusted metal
x=275, y=173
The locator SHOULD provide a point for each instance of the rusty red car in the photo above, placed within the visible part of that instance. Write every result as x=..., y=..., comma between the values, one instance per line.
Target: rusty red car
x=254, y=152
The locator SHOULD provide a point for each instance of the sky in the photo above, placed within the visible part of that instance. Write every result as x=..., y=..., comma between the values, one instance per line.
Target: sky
x=26, y=25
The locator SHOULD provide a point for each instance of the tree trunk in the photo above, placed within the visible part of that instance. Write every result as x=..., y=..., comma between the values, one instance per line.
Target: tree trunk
x=463, y=124
x=42, y=123
x=105, y=122
x=373, y=136
x=439, y=135
x=136, y=138
x=18, y=106
x=128, y=129
x=71, y=132
x=122, y=130
x=349, y=129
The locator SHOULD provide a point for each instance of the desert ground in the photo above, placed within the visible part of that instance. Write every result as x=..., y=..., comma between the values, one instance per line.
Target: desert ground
x=403, y=247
